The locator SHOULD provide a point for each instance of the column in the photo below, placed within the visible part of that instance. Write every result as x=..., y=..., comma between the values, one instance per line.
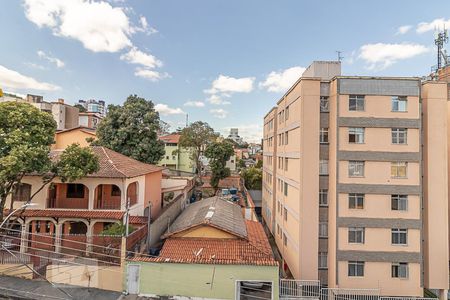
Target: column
x=89, y=239
x=23, y=238
x=443, y=294
x=91, y=196
x=58, y=228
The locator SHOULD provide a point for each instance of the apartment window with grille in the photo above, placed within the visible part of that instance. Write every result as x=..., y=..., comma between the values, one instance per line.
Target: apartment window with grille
x=286, y=163
x=355, y=168
x=285, y=214
x=323, y=229
x=356, y=135
x=399, y=169
x=399, y=236
x=400, y=270
x=323, y=167
x=356, y=235
x=399, y=136
x=286, y=113
x=324, y=135
x=355, y=201
x=399, y=202
x=355, y=268
x=323, y=197
x=324, y=104
x=285, y=189
x=323, y=260
x=399, y=103
x=356, y=103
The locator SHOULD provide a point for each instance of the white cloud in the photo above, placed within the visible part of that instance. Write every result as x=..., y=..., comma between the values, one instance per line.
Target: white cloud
x=165, y=110
x=219, y=113
x=281, y=81
x=15, y=80
x=194, y=103
x=433, y=25
x=150, y=74
x=144, y=27
x=34, y=66
x=217, y=100
x=97, y=25
x=403, y=29
x=227, y=84
x=136, y=56
x=380, y=56
x=59, y=63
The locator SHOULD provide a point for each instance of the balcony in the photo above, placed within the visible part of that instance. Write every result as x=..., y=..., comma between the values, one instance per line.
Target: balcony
x=107, y=196
x=68, y=195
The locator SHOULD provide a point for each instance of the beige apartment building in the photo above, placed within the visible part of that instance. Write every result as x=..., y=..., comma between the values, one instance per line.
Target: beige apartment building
x=355, y=187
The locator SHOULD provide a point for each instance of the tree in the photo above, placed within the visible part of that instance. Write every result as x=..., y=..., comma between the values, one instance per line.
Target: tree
x=197, y=136
x=218, y=154
x=132, y=129
x=252, y=178
x=241, y=164
x=26, y=135
x=117, y=229
x=81, y=108
x=259, y=164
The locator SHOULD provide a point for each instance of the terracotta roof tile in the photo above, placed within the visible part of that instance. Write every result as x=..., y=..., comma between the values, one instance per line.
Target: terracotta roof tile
x=170, y=138
x=116, y=165
x=255, y=251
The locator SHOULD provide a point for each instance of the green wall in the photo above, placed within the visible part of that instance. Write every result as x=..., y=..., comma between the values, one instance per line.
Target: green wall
x=182, y=161
x=194, y=280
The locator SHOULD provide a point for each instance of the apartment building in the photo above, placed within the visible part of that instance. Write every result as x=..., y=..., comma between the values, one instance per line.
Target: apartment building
x=355, y=181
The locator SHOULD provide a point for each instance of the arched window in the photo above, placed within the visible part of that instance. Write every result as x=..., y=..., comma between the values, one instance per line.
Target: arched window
x=21, y=192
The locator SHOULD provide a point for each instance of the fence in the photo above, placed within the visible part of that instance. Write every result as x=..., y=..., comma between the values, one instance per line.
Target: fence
x=135, y=237
x=294, y=289
x=405, y=298
x=349, y=294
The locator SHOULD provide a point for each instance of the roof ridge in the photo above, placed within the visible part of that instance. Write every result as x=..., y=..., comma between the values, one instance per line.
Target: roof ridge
x=112, y=162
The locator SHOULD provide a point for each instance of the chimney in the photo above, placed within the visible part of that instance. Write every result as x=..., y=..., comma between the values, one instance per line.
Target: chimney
x=61, y=100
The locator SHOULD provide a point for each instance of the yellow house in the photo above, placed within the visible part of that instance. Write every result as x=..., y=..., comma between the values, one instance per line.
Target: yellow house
x=78, y=135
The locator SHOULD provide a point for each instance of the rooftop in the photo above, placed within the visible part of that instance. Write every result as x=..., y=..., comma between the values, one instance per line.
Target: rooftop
x=214, y=212
x=81, y=128
x=171, y=138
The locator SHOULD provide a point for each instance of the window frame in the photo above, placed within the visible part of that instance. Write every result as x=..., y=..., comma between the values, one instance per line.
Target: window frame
x=353, y=165
x=323, y=167
x=397, y=267
x=399, y=232
x=323, y=135
x=395, y=169
x=358, y=268
x=396, y=100
x=356, y=200
x=323, y=260
x=359, y=103
x=324, y=104
x=323, y=225
x=358, y=133
x=397, y=134
x=323, y=194
x=401, y=202
x=353, y=232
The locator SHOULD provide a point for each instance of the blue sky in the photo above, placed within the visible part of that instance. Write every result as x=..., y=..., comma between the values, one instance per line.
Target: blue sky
x=224, y=62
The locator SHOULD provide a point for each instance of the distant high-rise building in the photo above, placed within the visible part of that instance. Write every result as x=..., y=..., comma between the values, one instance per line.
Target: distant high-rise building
x=94, y=106
x=234, y=135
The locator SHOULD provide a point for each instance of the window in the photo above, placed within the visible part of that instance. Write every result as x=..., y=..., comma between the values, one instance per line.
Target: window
x=323, y=167
x=324, y=135
x=286, y=114
x=323, y=197
x=323, y=229
x=21, y=192
x=399, y=103
x=400, y=270
x=356, y=135
x=167, y=157
x=279, y=229
x=356, y=268
x=399, y=236
x=399, y=135
x=356, y=235
x=355, y=168
x=285, y=189
x=356, y=103
x=399, y=202
x=115, y=191
x=324, y=104
x=398, y=169
x=286, y=163
x=323, y=260
x=356, y=201
x=285, y=214
x=284, y=239
x=286, y=138
x=75, y=190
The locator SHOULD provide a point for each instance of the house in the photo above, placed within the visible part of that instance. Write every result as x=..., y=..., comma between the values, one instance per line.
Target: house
x=89, y=119
x=176, y=157
x=80, y=135
x=210, y=252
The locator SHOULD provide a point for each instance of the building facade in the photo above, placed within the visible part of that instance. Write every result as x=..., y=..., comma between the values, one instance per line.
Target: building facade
x=94, y=106
x=176, y=157
x=355, y=181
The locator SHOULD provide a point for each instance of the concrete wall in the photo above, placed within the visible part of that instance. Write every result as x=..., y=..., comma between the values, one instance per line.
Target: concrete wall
x=200, y=280
x=65, y=139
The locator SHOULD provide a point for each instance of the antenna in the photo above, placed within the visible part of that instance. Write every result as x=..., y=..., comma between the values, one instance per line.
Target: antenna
x=339, y=56
x=187, y=120
x=441, y=39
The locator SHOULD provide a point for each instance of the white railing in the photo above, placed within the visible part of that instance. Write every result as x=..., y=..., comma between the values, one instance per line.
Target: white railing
x=349, y=294
x=292, y=289
x=406, y=298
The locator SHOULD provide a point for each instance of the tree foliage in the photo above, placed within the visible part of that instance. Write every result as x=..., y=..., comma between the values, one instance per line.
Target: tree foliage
x=117, y=229
x=218, y=154
x=252, y=178
x=81, y=108
x=198, y=136
x=26, y=135
x=132, y=129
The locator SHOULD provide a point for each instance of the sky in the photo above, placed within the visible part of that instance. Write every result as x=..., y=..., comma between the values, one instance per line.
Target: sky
x=223, y=62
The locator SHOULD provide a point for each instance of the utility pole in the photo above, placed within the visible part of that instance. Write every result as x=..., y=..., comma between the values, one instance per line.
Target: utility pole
x=339, y=56
x=149, y=220
x=127, y=216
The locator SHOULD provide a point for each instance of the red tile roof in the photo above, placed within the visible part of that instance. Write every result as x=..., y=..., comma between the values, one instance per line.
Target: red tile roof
x=254, y=251
x=84, y=214
x=171, y=138
x=116, y=165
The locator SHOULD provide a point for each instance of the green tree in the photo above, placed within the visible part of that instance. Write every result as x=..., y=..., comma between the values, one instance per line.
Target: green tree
x=132, y=129
x=81, y=108
x=252, y=178
x=117, y=229
x=241, y=164
x=26, y=135
x=197, y=136
x=218, y=154
x=259, y=164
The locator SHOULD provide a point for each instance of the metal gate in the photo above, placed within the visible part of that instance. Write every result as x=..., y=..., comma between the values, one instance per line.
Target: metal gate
x=297, y=289
x=133, y=272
